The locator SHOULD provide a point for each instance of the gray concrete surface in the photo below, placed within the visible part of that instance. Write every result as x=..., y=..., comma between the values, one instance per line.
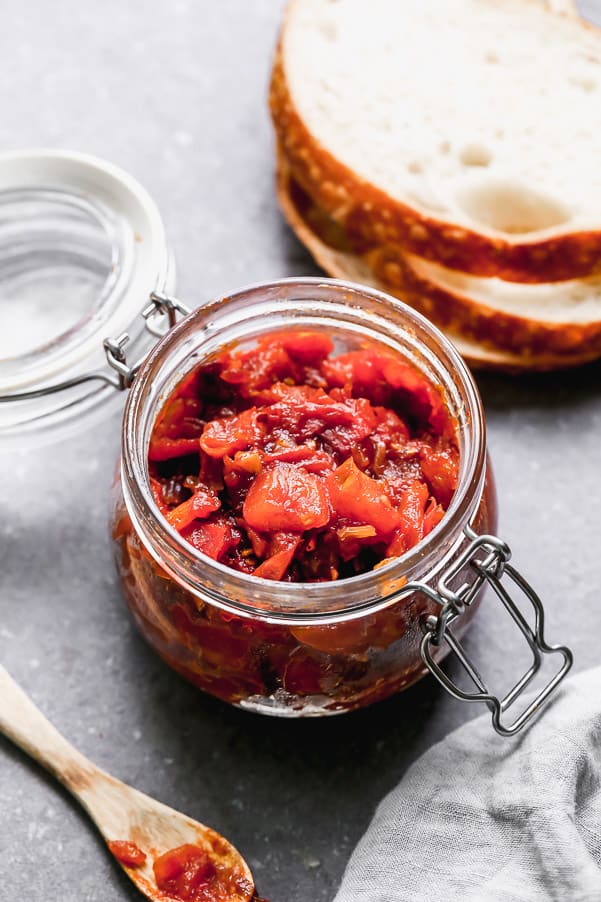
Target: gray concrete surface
x=175, y=93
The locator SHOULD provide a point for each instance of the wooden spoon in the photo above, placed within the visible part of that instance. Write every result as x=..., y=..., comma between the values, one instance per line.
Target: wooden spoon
x=120, y=812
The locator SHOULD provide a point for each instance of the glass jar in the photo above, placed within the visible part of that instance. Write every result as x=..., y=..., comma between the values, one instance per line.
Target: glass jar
x=293, y=649
x=80, y=233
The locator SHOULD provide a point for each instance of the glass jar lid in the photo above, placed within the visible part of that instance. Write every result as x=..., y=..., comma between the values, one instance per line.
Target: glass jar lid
x=82, y=246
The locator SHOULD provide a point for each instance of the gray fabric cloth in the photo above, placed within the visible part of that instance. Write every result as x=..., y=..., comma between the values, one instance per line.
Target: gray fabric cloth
x=484, y=818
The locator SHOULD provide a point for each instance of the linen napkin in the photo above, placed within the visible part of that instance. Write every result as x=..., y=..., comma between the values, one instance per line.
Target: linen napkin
x=479, y=818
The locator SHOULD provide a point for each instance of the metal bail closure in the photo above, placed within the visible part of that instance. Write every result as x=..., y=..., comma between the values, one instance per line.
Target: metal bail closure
x=486, y=560
x=161, y=308
x=159, y=315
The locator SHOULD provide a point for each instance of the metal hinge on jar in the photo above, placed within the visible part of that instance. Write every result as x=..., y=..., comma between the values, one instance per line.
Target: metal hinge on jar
x=161, y=306
x=486, y=560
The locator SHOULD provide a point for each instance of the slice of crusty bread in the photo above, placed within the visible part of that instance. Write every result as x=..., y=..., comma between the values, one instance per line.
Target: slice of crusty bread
x=467, y=132
x=330, y=247
x=552, y=317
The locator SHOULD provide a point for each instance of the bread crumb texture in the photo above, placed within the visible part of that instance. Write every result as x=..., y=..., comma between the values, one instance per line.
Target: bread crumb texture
x=487, y=113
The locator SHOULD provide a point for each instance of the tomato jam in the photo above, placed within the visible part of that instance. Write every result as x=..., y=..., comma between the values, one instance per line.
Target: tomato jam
x=127, y=853
x=306, y=466
x=289, y=463
x=189, y=874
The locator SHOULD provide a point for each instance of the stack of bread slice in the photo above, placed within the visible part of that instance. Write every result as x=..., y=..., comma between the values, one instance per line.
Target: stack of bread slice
x=449, y=152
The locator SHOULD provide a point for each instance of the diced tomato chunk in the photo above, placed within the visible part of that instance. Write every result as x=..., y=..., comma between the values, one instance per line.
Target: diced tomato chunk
x=222, y=646
x=351, y=368
x=345, y=637
x=358, y=497
x=257, y=369
x=258, y=542
x=127, y=853
x=167, y=448
x=433, y=515
x=304, y=674
x=157, y=493
x=441, y=470
x=389, y=425
x=356, y=636
x=226, y=436
x=307, y=347
x=214, y=537
x=202, y=503
x=183, y=872
x=411, y=513
x=307, y=415
x=177, y=429
x=287, y=499
x=275, y=567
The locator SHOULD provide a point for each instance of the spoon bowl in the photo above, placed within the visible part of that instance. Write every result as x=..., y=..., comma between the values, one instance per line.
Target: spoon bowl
x=195, y=863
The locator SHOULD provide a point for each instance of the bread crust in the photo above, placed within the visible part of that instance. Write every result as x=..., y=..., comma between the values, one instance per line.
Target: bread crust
x=373, y=218
x=333, y=253
x=489, y=325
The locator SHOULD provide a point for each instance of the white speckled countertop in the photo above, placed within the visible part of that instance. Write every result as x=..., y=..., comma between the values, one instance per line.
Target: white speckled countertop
x=175, y=93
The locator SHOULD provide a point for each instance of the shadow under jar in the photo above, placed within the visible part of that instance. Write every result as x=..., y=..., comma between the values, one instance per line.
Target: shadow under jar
x=293, y=649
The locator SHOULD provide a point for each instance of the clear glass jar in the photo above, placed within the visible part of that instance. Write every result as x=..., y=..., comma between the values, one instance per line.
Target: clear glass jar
x=81, y=233
x=292, y=649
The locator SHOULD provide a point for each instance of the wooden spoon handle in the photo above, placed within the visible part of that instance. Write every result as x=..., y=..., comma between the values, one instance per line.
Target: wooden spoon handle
x=27, y=727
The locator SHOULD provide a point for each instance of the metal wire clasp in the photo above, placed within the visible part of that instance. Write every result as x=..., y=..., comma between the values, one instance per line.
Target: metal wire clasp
x=486, y=561
x=160, y=306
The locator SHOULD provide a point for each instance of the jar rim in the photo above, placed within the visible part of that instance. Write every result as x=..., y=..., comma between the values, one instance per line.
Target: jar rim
x=247, y=594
